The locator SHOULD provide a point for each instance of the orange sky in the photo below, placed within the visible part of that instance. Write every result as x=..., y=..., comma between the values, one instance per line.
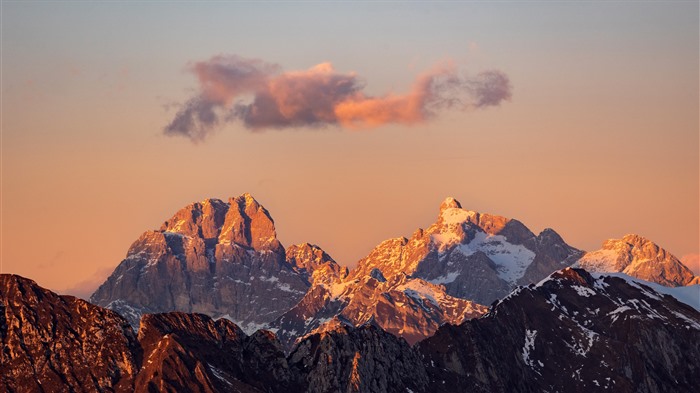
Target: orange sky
x=599, y=139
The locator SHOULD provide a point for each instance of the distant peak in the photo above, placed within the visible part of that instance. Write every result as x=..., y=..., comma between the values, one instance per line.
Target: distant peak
x=577, y=276
x=450, y=203
x=212, y=201
x=635, y=239
x=245, y=200
x=630, y=240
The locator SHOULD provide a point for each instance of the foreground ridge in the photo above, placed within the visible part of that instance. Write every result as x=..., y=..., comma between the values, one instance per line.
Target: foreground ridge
x=570, y=332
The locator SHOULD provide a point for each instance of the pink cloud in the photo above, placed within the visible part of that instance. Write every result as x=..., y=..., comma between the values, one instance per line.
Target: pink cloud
x=262, y=96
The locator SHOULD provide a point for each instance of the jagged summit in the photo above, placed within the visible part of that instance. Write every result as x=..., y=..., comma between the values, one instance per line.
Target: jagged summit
x=476, y=256
x=639, y=257
x=219, y=258
x=310, y=260
x=450, y=203
x=242, y=221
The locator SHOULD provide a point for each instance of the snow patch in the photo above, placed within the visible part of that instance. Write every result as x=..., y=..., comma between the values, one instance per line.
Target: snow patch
x=512, y=260
x=456, y=215
x=599, y=261
x=694, y=324
x=615, y=313
x=219, y=374
x=445, y=279
x=529, y=346
x=583, y=291
x=689, y=295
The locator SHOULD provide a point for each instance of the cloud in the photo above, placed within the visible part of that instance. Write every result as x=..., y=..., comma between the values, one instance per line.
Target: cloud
x=262, y=96
x=692, y=261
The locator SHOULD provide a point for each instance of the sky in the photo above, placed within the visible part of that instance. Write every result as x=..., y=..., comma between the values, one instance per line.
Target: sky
x=349, y=121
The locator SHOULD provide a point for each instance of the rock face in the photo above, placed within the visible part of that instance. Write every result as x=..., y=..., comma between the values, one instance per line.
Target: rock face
x=476, y=256
x=641, y=258
x=406, y=307
x=410, y=287
x=193, y=353
x=311, y=261
x=571, y=332
x=53, y=343
x=364, y=359
x=575, y=333
x=220, y=259
x=224, y=260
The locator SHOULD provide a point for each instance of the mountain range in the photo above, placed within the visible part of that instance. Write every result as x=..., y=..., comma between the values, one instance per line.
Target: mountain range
x=223, y=259
x=571, y=332
x=212, y=301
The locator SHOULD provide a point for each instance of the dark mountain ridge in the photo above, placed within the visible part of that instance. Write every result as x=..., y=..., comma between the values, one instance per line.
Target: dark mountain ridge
x=570, y=332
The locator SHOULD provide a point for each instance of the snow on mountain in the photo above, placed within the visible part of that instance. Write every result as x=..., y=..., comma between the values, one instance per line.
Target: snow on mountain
x=407, y=307
x=571, y=332
x=223, y=259
x=689, y=294
x=639, y=257
x=477, y=256
x=219, y=258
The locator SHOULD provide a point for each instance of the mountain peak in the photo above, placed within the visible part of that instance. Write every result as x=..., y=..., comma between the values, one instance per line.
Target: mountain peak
x=246, y=200
x=638, y=257
x=634, y=239
x=311, y=261
x=450, y=203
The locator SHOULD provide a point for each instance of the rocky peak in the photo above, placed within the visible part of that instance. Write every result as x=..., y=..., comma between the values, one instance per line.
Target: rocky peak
x=61, y=343
x=200, y=219
x=242, y=221
x=450, y=203
x=638, y=257
x=455, y=223
x=218, y=258
x=571, y=332
x=312, y=261
x=477, y=256
x=192, y=352
x=573, y=276
x=249, y=224
x=550, y=236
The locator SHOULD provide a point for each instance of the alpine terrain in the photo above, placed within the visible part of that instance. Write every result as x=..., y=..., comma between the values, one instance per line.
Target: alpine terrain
x=572, y=332
x=639, y=257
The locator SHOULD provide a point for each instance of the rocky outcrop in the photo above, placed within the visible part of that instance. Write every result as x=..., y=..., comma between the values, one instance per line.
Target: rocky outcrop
x=575, y=333
x=223, y=259
x=342, y=358
x=410, y=287
x=571, y=332
x=406, y=307
x=219, y=258
x=639, y=257
x=476, y=256
x=192, y=352
x=53, y=343
x=311, y=261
